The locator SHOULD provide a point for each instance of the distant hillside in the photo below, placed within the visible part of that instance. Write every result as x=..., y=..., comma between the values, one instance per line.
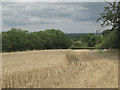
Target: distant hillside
x=74, y=34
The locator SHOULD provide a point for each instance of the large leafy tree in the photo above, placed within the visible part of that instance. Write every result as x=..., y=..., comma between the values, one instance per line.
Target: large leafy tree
x=111, y=15
x=18, y=39
x=57, y=39
x=89, y=39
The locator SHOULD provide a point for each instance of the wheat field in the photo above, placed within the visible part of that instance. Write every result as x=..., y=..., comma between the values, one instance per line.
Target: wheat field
x=60, y=69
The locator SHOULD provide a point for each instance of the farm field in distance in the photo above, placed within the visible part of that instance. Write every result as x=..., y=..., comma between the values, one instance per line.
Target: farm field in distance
x=60, y=69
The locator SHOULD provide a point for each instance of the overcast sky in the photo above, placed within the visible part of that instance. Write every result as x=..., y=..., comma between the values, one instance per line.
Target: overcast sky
x=70, y=17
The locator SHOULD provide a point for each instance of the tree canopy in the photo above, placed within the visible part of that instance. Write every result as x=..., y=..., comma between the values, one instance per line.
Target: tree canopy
x=111, y=15
x=19, y=40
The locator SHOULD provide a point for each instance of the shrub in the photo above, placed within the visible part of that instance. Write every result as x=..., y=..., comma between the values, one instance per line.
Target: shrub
x=110, y=42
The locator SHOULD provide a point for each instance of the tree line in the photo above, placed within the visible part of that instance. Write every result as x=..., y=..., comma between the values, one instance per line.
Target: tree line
x=19, y=40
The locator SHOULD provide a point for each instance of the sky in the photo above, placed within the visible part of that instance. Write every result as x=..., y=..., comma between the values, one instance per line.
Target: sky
x=69, y=17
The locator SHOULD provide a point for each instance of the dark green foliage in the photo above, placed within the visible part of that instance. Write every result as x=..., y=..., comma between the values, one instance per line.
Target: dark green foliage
x=6, y=43
x=19, y=40
x=15, y=39
x=83, y=48
x=111, y=41
x=89, y=39
x=92, y=41
x=0, y=42
x=85, y=40
x=106, y=32
x=111, y=16
x=57, y=39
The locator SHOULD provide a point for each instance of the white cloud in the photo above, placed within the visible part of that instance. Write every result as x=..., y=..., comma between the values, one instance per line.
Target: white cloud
x=58, y=0
x=69, y=17
x=0, y=16
x=55, y=0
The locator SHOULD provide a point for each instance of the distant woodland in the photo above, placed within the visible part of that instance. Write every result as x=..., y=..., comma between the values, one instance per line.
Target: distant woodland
x=21, y=40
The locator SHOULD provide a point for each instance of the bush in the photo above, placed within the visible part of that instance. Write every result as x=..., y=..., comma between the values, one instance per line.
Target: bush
x=110, y=42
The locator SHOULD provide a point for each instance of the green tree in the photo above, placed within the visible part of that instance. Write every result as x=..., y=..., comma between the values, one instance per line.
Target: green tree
x=57, y=39
x=111, y=41
x=6, y=43
x=92, y=41
x=36, y=40
x=111, y=15
x=106, y=32
x=15, y=39
x=89, y=39
x=18, y=40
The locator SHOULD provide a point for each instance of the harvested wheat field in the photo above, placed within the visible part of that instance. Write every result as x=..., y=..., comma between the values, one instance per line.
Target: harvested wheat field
x=60, y=69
